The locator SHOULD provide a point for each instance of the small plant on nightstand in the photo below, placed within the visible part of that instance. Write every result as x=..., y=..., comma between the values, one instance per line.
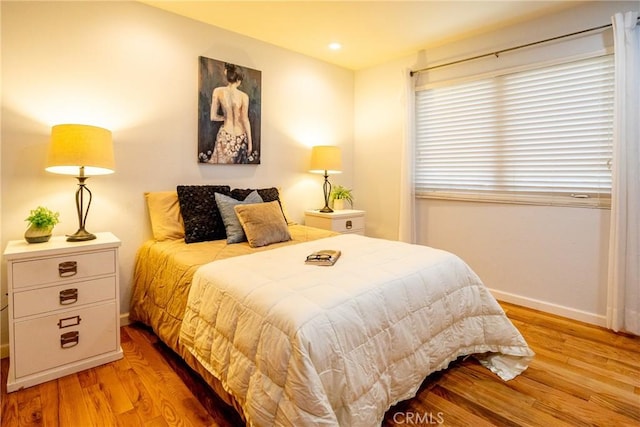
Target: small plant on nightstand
x=41, y=222
x=339, y=195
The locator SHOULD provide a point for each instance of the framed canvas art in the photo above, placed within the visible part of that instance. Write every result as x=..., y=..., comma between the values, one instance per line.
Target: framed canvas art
x=229, y=99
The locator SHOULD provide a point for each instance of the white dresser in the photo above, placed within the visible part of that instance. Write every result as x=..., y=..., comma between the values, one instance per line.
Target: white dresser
x=344, y=221
x=63, y=307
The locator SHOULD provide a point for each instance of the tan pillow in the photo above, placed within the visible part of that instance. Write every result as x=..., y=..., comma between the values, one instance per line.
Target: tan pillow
x=263, y=223
x=165, y=216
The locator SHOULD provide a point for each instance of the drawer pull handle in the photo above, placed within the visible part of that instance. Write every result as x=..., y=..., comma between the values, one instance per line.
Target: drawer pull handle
x=349, y=225
x=68, y=296
x=68, y=268
x=69, y=321
x=69, y=339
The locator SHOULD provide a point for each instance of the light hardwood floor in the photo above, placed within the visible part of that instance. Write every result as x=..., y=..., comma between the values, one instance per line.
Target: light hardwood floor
x=581, y=376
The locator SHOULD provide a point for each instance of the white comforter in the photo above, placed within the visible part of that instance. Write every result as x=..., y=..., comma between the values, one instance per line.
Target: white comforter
x=300, y=345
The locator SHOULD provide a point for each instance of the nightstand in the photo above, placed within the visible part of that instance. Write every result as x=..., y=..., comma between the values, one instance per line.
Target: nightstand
x=344, y=221
x=63, y=307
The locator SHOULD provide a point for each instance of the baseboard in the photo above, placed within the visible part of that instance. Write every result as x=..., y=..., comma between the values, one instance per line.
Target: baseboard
x=4, y=350
x=571, y=313
x=124, y=319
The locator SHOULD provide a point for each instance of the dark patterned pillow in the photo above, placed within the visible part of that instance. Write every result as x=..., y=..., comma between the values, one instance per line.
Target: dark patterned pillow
x=202, y=220
x=267, y=194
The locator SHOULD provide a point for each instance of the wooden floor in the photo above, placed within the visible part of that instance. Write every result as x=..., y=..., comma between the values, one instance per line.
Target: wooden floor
x=581, y=376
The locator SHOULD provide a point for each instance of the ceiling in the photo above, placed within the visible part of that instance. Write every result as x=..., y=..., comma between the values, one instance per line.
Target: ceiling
x=370, y=32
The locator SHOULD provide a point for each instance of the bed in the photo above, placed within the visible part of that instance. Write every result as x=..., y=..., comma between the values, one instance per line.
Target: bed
x=292, y=344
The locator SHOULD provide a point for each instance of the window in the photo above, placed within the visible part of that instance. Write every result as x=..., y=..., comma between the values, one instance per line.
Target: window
x=542, y=135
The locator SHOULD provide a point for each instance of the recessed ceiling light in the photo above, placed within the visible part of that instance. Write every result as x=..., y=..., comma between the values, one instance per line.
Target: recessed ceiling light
x=335, y=46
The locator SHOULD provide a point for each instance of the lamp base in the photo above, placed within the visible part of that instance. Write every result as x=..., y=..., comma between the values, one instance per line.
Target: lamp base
x=326, y=187
x=80, y=236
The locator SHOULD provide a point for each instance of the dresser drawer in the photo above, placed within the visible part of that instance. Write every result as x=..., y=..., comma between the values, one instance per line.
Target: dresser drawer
x=348, y=225
x=341, y=221
x=341, y=225
x=65, y=296
x=68, y=267
x=52, y=341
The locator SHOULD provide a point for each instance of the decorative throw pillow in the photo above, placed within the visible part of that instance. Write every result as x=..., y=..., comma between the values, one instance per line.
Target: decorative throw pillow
x=165, y=216
x=267, y=194
x=235, y=233
x=202, y=220
x=263, y=223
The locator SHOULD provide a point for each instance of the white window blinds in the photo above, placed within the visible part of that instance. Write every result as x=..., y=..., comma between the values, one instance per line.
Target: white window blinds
x=538, y=136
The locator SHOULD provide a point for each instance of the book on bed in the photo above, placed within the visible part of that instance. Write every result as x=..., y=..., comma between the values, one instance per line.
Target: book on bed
x=323, y=257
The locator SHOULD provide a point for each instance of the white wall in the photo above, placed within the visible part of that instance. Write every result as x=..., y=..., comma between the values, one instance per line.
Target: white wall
x=134, y=69
x=550, y=258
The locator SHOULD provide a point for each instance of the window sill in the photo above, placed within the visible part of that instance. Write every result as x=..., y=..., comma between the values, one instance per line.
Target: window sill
x=520, y=199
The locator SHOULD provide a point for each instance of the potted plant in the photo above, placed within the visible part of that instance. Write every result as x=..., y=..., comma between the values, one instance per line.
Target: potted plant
x=340, y=195
x=41, y=222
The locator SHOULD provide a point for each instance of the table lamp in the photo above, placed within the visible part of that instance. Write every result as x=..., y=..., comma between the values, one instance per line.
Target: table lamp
x=326, y=159
x=83, y=151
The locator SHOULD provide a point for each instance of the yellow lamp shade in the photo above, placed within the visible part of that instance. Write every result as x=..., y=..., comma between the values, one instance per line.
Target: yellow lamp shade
x=74, y=147
x=326, y=158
